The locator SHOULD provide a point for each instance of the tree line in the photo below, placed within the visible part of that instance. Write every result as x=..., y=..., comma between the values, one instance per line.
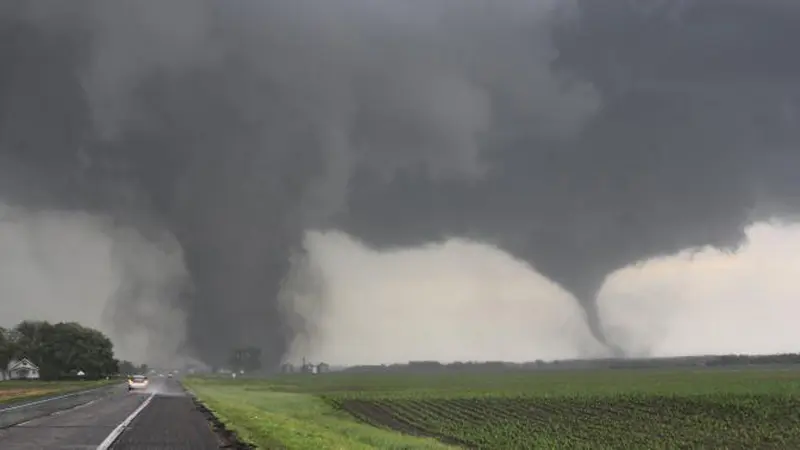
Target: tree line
x=247, y=359
x=782, y=359
x=61, y=350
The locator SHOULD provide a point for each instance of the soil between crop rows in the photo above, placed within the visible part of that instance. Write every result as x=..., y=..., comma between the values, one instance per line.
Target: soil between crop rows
x=612, y=422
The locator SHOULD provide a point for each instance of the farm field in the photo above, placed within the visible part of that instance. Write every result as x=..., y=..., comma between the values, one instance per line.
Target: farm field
x=605, y=409
x=18, y=391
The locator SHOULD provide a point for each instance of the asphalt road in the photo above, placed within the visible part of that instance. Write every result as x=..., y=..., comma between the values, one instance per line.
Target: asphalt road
x=169, y=421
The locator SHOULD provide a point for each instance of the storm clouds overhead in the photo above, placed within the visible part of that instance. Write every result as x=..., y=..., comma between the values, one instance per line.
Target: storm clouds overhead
x=195, y=175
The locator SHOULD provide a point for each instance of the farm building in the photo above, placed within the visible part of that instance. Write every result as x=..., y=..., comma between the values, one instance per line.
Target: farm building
x=22, y=369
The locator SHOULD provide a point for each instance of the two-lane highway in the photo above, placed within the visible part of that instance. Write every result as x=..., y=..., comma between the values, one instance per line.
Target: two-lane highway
x=162, y=417
x=170, y=422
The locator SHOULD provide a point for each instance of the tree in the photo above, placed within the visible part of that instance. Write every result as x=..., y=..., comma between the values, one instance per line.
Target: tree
x=7, y=348
x=64, y=349
x=246, y=358
x=29, y=337
x=127, y=368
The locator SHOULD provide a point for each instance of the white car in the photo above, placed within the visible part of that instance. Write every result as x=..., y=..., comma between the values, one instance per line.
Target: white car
x=137, y=382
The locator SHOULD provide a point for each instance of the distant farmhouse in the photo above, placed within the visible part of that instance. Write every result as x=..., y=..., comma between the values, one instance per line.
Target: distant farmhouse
x=306, y=367
x=22, y=369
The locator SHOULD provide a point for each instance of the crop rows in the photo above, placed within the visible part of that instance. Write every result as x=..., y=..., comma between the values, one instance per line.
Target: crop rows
x=610, y=421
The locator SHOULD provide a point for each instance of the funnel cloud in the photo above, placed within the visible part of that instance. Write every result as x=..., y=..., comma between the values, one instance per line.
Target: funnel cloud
x=228, y=166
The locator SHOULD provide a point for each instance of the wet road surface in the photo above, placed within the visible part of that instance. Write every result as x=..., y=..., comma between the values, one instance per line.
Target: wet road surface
x=169, y=421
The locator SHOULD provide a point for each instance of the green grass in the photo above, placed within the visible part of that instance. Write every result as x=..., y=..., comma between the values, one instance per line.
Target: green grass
x=18, y=391
x=580, y=409
x=271, y=418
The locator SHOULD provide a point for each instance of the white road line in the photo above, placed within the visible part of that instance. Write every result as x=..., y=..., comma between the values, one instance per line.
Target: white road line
x=81, y=406
x=22, y=424
x=111, y=438
x=50, y=399
x=57, y=413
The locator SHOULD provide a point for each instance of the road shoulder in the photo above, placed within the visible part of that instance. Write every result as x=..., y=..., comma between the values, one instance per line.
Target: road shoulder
x=172, y=421
x=84, y=426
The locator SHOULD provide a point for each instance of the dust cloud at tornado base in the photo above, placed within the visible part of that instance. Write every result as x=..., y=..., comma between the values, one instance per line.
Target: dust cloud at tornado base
x=196, y=148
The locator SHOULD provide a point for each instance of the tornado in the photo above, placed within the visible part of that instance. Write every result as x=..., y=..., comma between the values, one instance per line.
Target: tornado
x=582, y=138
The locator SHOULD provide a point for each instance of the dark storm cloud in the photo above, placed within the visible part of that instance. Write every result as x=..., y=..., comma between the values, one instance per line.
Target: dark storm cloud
x=582, y=138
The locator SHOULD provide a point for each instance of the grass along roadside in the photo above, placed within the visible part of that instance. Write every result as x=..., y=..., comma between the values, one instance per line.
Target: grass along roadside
x=606, y=409
x=295, y=421
x=13, y=391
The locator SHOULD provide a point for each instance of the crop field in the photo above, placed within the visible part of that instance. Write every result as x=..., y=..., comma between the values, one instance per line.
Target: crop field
x=581, y=409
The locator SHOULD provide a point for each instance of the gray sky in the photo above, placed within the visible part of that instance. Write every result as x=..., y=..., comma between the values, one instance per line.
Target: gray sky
x=193, y=144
